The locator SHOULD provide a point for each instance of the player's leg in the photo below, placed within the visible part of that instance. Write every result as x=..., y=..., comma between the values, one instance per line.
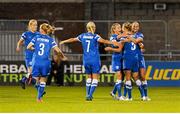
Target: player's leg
x=136, y=77
x=25, y=79
x=44, y=69
x=35, y=76
x=127, y=66
x=88, y=84
x=124, y=81
x=142, y=71
x=128, y=84
x=144, y=82
x=139, y=84
x=95, y=69
x=115, y=68
x=41, y=88
x=30, y=79
x=118, y=84
x=93, y=85
x=89, y=78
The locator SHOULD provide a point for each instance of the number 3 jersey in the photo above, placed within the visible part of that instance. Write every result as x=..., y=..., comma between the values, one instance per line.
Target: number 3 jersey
x=42, y=44
x=41, y=63
x=130, y=57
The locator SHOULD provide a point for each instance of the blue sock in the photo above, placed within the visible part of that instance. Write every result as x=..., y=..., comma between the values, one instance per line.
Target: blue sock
x=141, y=90
x=88, y=86
x=129, y=89
x=36, y=86
x=139, y=84
x=145, y=87
x=41, y=89
x=125, y=90
x=114, y=89
x=24, y=79
x=118, y=87
x=93, y=87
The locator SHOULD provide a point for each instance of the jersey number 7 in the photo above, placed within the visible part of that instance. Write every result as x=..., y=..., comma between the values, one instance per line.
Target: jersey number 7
x=88, y=45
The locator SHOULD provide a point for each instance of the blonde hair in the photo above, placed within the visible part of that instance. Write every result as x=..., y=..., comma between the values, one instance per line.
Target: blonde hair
x=31, y=22
x=113, y=27
x=128, y=26
x=48, y=29
x=91, y=27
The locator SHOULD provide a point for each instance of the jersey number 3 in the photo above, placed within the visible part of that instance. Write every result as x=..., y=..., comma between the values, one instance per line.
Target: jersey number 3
x=41, y=49
x=133, y=46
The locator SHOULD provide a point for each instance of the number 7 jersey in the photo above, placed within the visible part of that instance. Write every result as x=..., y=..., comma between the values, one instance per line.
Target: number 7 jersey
x=90, y=47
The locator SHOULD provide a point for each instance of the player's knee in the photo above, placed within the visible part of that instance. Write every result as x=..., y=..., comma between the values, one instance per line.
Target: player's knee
x=88, y=82
x=128, y=84
x=42, y=84
x=138, y=82
x=144, y=82
x=95, y=82
x=118, y=81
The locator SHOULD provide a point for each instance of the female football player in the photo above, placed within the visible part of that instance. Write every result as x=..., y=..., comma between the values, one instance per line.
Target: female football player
x=116, y=59
x=42, y=45
x=26, y=37
x=91, y=56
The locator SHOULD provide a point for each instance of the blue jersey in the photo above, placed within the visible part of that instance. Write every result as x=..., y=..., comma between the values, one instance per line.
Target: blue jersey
x=90, y=46
x=130, y=49
x=138, y=35
x=116, y=56
x=91, y=57
x=114, y=37
x=41, y=63
x=27, y=37
x=42, y=44
x=140, y=54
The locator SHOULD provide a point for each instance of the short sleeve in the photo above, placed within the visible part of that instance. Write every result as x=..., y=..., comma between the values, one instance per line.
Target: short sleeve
x=112, y=38
x=79, y=37
x=23, y=36
x=140, y=35
x=122, y=39
x=97, y=37
x=53, y=44
x=33, y=41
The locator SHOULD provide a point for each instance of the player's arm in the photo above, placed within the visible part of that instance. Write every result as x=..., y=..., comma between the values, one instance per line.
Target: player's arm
x=60, y=53
x=125, y=40
x=101, y=40
x=30, y=46
x=70, y=40
x=135, y=40
x=141, y=45
x=119, y=49
x=122, y=35
x=19, y=43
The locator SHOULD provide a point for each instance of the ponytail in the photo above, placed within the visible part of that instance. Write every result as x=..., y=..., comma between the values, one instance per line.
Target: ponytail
x=91, y=27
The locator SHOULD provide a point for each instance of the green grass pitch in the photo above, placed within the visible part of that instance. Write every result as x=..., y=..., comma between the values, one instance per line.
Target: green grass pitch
x=72, y=99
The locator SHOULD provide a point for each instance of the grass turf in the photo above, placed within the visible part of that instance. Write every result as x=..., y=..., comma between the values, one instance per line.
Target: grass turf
x=72, y=99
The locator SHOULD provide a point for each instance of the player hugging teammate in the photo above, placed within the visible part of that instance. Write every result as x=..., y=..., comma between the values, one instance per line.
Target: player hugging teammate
x=128, y=58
